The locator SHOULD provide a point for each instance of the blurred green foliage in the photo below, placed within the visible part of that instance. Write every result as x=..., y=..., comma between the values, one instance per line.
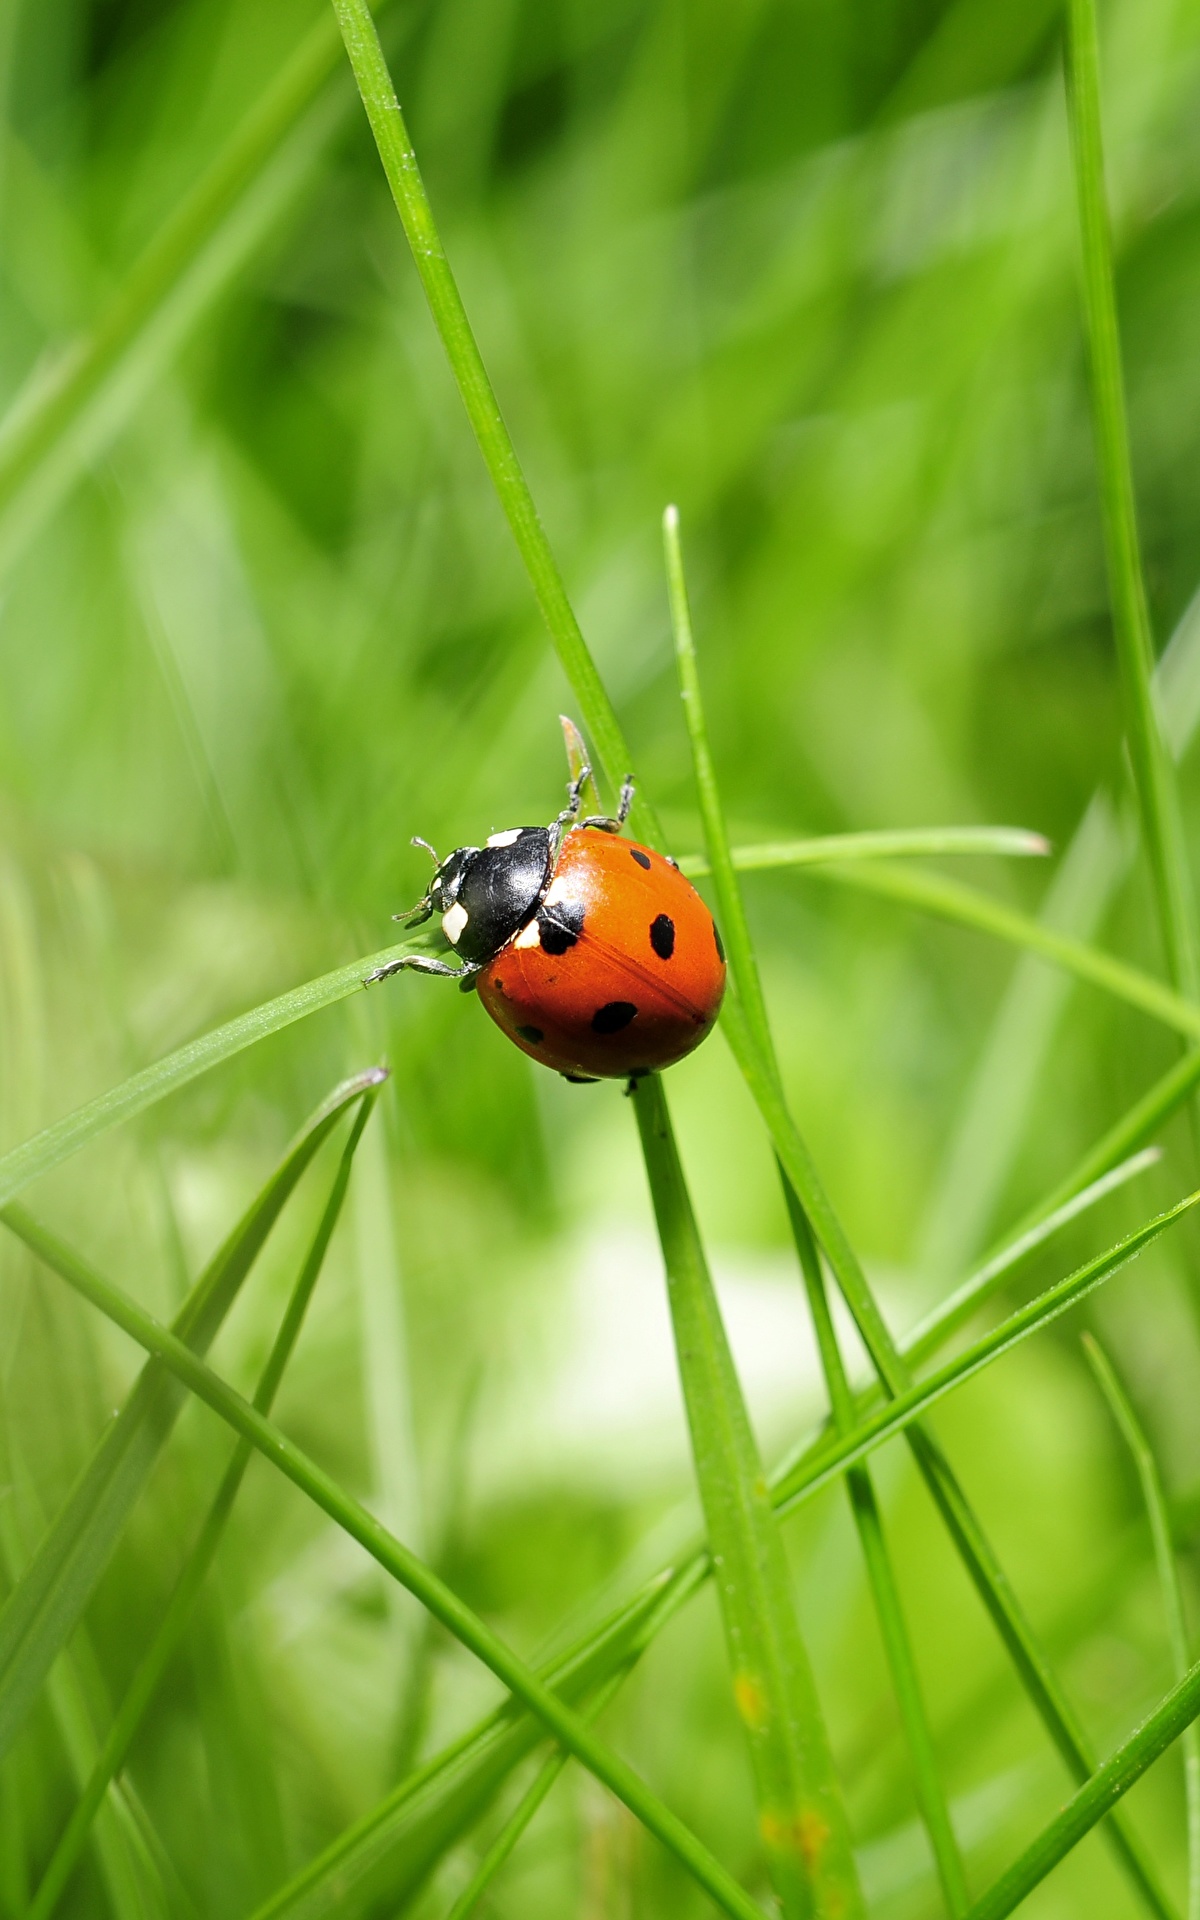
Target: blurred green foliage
x=810, y=271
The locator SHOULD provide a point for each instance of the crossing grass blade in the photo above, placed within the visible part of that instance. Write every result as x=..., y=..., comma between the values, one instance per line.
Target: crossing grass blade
x=893, y=843
x=1154, y=1496
x=801, y=1816
x=387, y=1855
x=748, y=985
x=157, y=1657
x=396, y=1559
x=969, y=907
x=45, y=1606
x=1095, y=1798
x=1153, y=770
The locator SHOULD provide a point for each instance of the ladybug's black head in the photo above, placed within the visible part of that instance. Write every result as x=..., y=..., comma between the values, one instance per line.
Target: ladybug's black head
x=446, y=884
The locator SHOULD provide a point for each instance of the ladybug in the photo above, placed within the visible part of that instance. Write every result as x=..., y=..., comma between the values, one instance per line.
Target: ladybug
x=593, y=954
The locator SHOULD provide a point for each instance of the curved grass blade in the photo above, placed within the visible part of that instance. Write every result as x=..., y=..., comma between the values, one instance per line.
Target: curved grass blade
x=969, y=907
x=886, y=844
x=385, y=1857
x=1153, y=771
x=1154, y=1496
x=744, y=969
x=801, y=1816
x=44, y=1608
x=1095, y=1798
x=500, y=457
x=395, y=1558
x=156, y=1659
x=56, y=1143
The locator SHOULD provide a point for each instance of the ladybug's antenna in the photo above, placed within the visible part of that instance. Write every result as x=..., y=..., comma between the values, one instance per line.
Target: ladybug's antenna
x=418, y=842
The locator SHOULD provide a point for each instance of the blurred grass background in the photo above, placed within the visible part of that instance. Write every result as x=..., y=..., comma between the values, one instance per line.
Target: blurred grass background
x=809, y=270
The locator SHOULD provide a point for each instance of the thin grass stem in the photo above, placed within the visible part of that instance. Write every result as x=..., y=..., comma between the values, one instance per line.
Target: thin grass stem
x=885, y=844
x=171, y=1628
x=1153, y=1494
x=1153, y=771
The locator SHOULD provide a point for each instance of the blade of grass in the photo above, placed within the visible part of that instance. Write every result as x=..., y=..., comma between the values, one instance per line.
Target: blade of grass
x=969, y=907
x=395, y=1558
x=157, y=1657
x=1153, y=771
x=521, y=1816
x=57, y=1142
x=43, y=1609
x=890, y=844
x=80, y=402
x=747, y=983
x=1094, y=1800
x=931, y=1801
x=445, y=303
x=801, y=1816
x=388, y=1853
x=744, y=1020
x=1122, y=1409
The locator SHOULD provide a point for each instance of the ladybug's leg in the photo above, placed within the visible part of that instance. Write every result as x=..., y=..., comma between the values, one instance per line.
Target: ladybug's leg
x=420, y=963
x=570, y=813
x=605, y=821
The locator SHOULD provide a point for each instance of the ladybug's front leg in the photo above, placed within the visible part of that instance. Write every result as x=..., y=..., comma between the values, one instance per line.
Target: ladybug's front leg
x=605, y=821
x=420, y=963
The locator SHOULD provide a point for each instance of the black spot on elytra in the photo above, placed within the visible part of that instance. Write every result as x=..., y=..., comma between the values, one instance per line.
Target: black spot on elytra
x=717, y=938
x=643, y=859
x=614, y=1015
x=534, y=1035
x=662, y=936
x=560, y=926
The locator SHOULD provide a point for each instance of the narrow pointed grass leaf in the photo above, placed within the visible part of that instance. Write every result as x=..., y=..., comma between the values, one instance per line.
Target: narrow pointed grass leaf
x=45, y=1606
x=869, y=1522
x=157, y=1657
x=969, y=907
x=964, y=1529
x=577, y=761
x=1153, y=771
x=1095, y=1798
x=387, y=1855
x=395, y=1558
x=886, y=844
x=862, y=1499
x=1153, y=1494
x=57, y=1142
x=445, y=303
x=502, y=1846
x=801, y=1815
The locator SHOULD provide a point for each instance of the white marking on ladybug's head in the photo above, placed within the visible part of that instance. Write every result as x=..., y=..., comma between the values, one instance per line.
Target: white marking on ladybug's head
x=504, y=839
x=529, y=936
x=453, y=921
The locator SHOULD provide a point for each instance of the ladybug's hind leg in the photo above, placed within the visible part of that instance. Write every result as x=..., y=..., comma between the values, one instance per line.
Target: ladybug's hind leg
x=420, y=963
x=606, y=821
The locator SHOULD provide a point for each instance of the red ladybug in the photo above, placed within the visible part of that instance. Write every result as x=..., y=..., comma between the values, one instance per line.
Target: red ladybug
x=592, y=953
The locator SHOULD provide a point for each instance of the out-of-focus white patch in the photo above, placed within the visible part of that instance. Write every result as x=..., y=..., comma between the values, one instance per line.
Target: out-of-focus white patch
x=453, y=921
x=505, y=839
x=529, y=936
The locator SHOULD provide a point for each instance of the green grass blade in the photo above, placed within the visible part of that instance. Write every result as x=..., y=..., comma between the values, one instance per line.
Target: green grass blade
x=968, y=907
x=901, y=1664
x=396, y=1559
x=156, y=1659
x=1122, y=1409
x=968, y=1537
x=43, y=1610
x=862, y=1499
x=57, y=1142
x=517, y=1822
x=886, y=844
x=445, y=303
x=960, y=1306
x=1153, y=772
x=802, y=1819
x=1094, y=1799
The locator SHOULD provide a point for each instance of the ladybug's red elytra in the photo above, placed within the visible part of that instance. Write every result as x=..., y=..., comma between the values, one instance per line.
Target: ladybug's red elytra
x=593, y=954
